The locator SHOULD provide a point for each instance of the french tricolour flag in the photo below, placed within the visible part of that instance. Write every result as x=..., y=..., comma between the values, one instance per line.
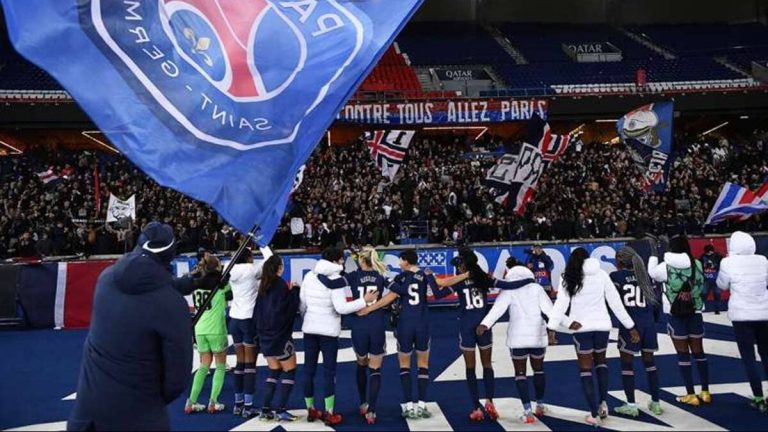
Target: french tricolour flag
x=739, y=203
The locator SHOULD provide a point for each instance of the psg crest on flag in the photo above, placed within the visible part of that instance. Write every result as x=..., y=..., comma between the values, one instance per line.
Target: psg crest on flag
x=213, y=67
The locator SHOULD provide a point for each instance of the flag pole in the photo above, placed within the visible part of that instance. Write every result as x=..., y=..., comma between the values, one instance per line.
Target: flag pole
x=243, y=245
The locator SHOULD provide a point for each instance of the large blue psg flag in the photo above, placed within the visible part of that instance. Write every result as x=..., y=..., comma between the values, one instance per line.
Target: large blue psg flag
x=222, y=100
x=647, y=133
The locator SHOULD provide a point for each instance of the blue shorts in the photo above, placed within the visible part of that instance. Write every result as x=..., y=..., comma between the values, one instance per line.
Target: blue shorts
x=411, y=336
x=649, y=342
x=369, y=341
x=242, y=331
x=280, y=349
x=524, y=353
x=468, y=338
x=684, y=328
x=591, y=342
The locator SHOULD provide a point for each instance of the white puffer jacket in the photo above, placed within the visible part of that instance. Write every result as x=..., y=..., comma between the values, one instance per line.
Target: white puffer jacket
x=244, y=280
x=746, y=275
x=322, y=307
x=588, y=306
x=527, y=328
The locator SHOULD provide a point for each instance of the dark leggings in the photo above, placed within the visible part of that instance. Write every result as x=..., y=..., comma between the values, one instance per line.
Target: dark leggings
x=748, y=334
x=313, y=345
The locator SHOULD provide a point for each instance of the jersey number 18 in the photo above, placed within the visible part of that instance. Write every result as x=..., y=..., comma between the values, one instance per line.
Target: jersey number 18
x=474, y=299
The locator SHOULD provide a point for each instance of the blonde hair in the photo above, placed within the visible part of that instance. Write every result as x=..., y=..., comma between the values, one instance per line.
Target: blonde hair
x=371, y=259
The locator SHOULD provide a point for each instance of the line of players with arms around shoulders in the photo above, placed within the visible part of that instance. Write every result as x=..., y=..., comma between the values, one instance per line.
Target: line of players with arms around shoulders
x=264, y=307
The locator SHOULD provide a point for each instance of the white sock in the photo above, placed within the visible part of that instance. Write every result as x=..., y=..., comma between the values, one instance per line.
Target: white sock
x=633, y=405
x=422, y=404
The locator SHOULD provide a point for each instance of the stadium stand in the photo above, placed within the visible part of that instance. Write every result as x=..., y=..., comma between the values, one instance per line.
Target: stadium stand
x=393, y=73
x=703, y=57
x=438, y=43
x=345, y=200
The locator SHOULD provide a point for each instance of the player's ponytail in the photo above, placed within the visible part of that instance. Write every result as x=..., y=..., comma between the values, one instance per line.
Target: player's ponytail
x=479, y=277
x=628, y=258
x=371, y=259
x=269, y=273
x=573, y=276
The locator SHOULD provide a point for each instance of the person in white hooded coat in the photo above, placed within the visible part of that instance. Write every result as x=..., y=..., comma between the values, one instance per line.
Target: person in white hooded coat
x=527, y=336
x=585, y=294
x=322, y=307
x=745, y=274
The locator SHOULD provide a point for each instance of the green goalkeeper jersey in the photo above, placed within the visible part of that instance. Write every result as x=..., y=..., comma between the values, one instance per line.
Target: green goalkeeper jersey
x=214, y=320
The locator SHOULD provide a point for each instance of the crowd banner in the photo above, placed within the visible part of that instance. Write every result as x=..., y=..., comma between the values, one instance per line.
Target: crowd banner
x=60, y=294
x=121, y=209
x=461, y=73
x=647, y=134
x=514, y=177
x=451, y=111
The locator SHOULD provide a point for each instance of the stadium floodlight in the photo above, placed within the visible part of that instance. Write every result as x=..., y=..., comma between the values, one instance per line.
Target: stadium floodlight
x=578, y=130
x=13, y=150
x=90, y=135
x=721, y=125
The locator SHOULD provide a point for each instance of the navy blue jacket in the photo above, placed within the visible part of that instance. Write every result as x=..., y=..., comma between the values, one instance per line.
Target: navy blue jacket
x=276, y=311
x=541, y=266
x=137, y=357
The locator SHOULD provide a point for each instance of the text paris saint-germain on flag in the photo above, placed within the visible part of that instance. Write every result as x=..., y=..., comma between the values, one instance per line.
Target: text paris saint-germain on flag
x=223, y=101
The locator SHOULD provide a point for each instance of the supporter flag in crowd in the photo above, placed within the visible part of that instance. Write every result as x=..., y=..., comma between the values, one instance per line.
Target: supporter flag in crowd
x=223, y=101
x=388, y=149
x=48, y=175
x=515, y=175
x=647, y=133
x=119, y=209
x=51, y=174
x=298, y=179
x=739, y=203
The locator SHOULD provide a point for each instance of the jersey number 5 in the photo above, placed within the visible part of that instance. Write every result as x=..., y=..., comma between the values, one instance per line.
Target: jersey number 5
x=413, y=294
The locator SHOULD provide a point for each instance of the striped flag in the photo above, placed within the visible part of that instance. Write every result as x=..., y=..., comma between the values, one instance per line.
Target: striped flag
x=388, y=149
x=552, y=146
x=48, y=175
x=738, y=203
x=515, y=175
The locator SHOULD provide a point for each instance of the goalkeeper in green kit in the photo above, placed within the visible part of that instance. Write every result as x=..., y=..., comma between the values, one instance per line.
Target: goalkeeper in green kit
x=211, y=338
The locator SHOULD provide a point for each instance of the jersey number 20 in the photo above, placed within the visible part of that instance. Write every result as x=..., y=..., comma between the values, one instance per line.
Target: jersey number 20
x=633, y=296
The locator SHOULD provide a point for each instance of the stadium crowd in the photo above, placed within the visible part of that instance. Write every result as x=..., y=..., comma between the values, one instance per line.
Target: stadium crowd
x=344, y=200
